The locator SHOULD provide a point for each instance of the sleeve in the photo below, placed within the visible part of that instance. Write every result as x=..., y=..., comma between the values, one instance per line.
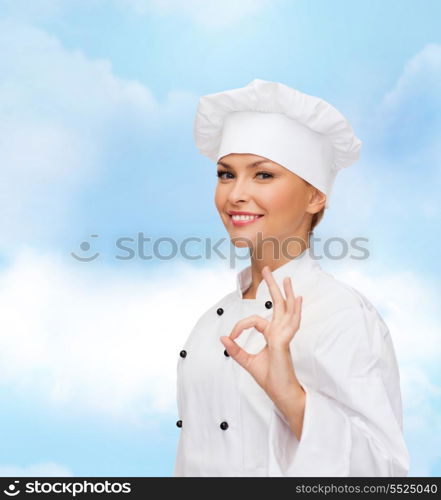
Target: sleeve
x=352, y=425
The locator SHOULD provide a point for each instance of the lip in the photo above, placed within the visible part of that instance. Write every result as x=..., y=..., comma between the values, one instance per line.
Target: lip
x=235, y=212
x=238, y=223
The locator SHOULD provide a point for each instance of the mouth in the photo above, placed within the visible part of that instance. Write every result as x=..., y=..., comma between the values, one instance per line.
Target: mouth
x=243, y=219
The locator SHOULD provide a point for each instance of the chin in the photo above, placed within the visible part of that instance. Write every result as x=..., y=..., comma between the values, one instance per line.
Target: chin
x=240, y=244
x=242, y=240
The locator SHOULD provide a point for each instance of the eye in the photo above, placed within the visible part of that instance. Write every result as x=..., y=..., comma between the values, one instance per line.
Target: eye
x=220, y=173
x=265, y=173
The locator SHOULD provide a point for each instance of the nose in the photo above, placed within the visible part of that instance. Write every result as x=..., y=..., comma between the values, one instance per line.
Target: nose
x=239, y=191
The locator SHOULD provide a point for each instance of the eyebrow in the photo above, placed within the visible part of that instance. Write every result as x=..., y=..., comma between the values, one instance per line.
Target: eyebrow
x=251, y=165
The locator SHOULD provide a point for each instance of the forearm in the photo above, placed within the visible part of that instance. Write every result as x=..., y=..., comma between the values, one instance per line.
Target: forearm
x=292, y=407
x=289, y=396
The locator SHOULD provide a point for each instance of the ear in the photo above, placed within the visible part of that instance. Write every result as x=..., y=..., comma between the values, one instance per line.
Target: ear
x=317, y=201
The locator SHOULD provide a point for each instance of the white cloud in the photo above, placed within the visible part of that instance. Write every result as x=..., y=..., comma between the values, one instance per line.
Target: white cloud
x=399, y=170
x=36, y=10
x=46, y=84
x=420, y=77
x=406, y=127
x=61, y=114
x=43, y=469
x=208, y=13
x=99, y=341
x=211, y=14
x=422, y=396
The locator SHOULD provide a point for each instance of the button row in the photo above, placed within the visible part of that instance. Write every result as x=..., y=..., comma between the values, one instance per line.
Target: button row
x=220, y=311
x=268, y=305
x=183, y=353
x=223, y=425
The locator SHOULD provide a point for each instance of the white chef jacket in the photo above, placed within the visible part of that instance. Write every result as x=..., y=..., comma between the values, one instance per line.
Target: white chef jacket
x=344, y=359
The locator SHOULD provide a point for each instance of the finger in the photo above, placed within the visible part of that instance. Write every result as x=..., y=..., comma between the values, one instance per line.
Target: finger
x=290, y=296
x=236, y=352
x=298, y=311
x=255, y=321
x=276, y=295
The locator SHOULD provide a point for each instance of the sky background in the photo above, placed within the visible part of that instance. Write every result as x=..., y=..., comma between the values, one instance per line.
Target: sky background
x=97, y=101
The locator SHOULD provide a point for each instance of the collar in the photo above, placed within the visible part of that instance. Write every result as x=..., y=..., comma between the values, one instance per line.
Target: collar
x=299, y=269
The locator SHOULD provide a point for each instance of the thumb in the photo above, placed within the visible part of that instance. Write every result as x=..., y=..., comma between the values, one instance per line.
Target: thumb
x=236, y=352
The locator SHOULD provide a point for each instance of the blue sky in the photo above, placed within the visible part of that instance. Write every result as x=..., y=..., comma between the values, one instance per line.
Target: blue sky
x=97, y=101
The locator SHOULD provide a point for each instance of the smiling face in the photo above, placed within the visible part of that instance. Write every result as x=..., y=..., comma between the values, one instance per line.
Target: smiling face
x=280, y=202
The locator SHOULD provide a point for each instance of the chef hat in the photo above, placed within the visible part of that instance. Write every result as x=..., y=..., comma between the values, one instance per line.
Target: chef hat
x=303, y=133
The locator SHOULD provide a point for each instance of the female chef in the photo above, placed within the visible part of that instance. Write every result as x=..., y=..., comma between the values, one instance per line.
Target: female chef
x=293, y=373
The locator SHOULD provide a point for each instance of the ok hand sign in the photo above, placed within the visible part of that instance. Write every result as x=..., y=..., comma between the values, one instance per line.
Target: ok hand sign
x=272, y=367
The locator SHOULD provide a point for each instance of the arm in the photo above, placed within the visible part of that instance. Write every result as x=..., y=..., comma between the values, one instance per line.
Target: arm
x=289, y=399
x=352, y=414
x=292, y=409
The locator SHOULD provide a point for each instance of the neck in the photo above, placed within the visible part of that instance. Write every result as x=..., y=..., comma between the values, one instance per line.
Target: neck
x=268, y=259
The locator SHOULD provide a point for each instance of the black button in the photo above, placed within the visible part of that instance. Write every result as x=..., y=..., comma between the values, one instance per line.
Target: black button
x=183, y=354
x=179, y=423
x=268, y=304
x=220, y=311
x=226, y=353
x=224, y=426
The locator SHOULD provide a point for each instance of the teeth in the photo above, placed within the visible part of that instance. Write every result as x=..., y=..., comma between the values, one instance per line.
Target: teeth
x=244, y=217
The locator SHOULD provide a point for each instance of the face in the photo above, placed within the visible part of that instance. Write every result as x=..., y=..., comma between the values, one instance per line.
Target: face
x=280, y=202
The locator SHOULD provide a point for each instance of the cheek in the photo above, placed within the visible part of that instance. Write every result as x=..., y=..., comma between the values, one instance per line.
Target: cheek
x=219, y=198
x=284, y=203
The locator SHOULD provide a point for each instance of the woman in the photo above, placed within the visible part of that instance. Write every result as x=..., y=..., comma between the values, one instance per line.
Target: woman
x=293, y=373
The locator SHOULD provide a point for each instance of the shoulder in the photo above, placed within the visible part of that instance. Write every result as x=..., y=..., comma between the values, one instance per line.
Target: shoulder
x=336, y=293
x=345, y=307
x=352, y=339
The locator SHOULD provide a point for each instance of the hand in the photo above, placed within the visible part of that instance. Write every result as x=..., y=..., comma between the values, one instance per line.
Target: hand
x=272, y=367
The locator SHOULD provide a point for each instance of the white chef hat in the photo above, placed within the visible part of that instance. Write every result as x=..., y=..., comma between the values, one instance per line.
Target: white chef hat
x=303, y=133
